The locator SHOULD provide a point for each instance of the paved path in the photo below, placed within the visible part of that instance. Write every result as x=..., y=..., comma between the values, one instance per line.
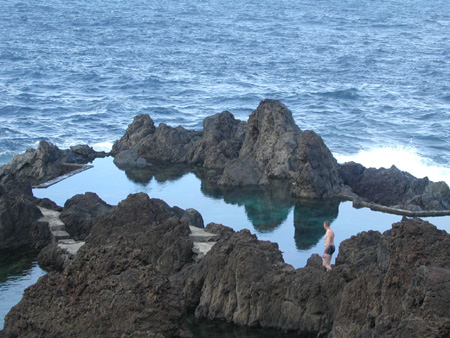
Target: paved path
x=203, y=240
x=59, y=233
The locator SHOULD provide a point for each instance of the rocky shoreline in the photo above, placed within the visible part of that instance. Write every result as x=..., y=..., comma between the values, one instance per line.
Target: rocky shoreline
x=139, y=271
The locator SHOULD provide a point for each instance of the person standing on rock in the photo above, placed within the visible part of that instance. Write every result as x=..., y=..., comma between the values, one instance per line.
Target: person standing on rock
x=329, y=246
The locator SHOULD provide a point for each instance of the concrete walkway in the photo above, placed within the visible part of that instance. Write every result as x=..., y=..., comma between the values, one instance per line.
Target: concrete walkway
x=59, y=233
x=203, y=240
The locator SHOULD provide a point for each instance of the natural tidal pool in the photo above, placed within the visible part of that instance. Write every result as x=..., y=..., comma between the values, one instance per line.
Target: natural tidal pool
x=269, y=213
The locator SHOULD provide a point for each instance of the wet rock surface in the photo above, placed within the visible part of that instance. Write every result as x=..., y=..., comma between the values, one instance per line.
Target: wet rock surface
x=19, y=226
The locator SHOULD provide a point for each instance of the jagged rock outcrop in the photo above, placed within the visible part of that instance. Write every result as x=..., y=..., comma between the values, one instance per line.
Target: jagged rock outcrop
x=394, y=284
x=272, y=141
x=79, y=213
x=45, y=163
x=318, y=174
x=19, y=226
x=141, y=127
x=118, y=283
x=395, y=188
x=136, y=276
x=270, y=146
x=221, y=141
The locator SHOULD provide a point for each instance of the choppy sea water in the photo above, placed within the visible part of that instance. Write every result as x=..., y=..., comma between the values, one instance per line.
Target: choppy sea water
x=370, y=76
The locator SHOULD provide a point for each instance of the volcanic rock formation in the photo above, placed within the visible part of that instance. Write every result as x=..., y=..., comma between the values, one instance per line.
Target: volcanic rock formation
x=136, y=276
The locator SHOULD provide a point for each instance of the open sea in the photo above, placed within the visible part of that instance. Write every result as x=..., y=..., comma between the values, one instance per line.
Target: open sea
x=372, y=77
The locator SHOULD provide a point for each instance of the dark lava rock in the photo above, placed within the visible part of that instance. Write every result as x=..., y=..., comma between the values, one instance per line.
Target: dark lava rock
x=395, y=188
x=383, y=285
x=83, y=153
x=168, y=144
x=270, y=147
x=318, y=175
x=141, y=127
x=117, y=286
x=45, y=163
x=79, y=213
x=19, y=225
x=221, y=141
x=135, y=276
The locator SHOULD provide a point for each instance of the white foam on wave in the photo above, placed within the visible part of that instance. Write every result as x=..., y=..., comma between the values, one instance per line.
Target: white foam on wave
x=103, y=146
x=405, y=158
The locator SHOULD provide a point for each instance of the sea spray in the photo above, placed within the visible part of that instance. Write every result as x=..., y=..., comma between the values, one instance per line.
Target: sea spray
x=405, y=158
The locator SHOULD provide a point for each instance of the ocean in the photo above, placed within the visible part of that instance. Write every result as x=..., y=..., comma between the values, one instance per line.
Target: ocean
x=371, y=77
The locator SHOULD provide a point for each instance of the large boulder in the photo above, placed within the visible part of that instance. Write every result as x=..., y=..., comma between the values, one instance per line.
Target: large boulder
x=141, y=127
x=168, y=144
x=318, y=174
x=118, y=283
x=80, y=212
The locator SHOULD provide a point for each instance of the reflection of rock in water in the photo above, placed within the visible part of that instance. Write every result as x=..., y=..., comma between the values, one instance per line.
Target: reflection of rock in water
x=162, y=172
x=266, y=207
x=16, y=263
x=308, y=221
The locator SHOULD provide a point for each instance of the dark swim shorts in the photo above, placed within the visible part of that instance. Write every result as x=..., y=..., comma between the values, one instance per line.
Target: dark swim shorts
x=330, y=250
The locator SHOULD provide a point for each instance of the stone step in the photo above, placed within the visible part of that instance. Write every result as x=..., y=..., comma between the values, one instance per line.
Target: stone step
x=201, y=235
x=67, y=241
x=71, y=248
x=60, y=235
x=201, y=249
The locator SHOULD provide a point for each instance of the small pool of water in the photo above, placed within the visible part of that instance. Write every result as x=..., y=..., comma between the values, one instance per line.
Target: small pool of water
x=270, y=213
x=17, y=272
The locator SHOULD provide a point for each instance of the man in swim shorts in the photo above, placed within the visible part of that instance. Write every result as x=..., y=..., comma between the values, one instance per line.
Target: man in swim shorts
x=329, y=246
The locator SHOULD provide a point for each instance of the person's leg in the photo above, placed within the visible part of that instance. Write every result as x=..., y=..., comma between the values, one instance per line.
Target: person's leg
x=327, y=262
